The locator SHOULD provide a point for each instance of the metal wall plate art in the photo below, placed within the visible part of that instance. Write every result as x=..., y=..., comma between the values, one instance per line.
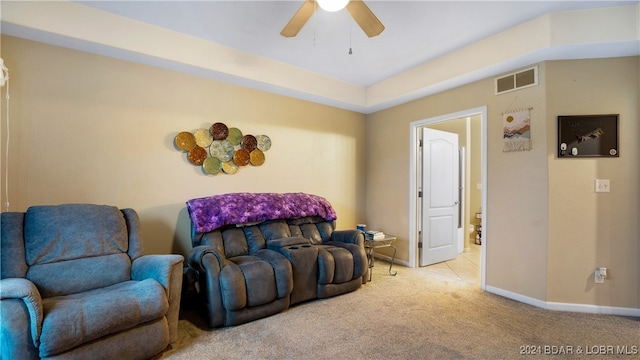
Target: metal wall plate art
x=581, y=136
x=220, y=149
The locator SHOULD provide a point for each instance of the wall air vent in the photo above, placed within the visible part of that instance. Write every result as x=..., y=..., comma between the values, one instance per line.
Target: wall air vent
x=516, y=81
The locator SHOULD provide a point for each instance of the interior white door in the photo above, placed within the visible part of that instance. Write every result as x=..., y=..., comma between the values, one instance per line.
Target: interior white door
x=440, y=166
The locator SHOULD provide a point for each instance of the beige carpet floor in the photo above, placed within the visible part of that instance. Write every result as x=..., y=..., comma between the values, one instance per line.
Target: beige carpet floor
x=423, y=313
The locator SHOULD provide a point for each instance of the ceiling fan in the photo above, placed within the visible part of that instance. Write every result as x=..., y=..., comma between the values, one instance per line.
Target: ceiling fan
x=360, y=12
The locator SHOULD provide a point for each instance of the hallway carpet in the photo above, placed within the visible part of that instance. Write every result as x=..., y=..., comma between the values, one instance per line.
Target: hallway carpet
x=414, y=315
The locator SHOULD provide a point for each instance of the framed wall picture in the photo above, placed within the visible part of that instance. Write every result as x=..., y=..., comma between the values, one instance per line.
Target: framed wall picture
x=582, y=136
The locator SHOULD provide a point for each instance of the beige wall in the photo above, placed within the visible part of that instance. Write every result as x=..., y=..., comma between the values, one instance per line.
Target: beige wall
x=87, y=128
x=546, y=228
x=516, y=188
x=588, y=229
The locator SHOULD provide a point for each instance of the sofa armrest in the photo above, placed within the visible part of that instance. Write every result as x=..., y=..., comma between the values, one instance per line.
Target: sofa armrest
x=276, y=244
x=348, y=236
x=25, y=291
x=197, y=254
x=208, y=264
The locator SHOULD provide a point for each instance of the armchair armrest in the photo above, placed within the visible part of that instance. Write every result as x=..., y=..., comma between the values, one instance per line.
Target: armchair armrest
x=26, y=291
x=167, y=270
x=158, y=267
x=348, y=236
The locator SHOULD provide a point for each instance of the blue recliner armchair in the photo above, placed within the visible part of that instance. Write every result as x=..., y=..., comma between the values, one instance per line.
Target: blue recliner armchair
x=75, y=285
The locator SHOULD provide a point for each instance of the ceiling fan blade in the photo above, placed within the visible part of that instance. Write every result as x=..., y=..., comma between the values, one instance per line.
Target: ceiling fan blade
x=368, y=22
x=299, y=19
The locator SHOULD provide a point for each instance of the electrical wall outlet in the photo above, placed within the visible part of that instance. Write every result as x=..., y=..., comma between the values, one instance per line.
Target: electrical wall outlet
x=599, y=275
x=602, y=185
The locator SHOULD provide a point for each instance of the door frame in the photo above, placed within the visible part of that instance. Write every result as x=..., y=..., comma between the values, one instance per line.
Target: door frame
x=414, y=214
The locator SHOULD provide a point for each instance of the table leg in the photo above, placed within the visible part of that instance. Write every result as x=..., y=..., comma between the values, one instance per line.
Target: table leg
x=370, y=254
x=393, y=258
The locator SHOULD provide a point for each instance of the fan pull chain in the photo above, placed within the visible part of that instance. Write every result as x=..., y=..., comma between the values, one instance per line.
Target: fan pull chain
x=314, y=23
x=350, y=49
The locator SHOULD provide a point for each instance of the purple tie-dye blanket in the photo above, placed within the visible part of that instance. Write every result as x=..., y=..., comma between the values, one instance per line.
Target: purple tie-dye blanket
x=212, y=212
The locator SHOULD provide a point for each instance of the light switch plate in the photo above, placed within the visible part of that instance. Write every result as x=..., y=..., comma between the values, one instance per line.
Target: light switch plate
x=602, y=185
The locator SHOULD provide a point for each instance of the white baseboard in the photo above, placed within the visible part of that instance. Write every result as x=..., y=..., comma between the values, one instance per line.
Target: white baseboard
x=594, y=309
x=583, y=308
x=388, y=258
x=517, y=297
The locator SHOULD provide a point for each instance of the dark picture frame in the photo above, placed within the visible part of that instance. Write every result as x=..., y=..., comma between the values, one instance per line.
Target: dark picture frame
x=581, y=136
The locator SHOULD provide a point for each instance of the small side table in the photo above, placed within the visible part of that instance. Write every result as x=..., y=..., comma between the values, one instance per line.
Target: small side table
x=371, y=244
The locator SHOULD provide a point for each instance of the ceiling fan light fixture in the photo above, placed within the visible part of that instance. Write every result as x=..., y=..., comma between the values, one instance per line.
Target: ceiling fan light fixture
x=332, y=5
x=358, y=10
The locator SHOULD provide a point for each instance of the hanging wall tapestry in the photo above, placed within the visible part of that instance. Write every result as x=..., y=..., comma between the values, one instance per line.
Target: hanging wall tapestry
x=516, y=130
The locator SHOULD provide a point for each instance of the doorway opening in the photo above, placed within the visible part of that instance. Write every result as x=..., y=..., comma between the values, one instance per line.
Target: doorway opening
x=469, y=210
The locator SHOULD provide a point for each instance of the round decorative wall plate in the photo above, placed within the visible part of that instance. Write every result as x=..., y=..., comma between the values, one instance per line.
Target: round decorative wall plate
x=211, y=165
x=203, y=137
x=256, y=157
x=222, y=149
x=249, y=142
x=197, y=155
x=230, y=167
x=185, y=141
x=219, y=131
x=264, y=142
x=235, y=136
x=241, y=157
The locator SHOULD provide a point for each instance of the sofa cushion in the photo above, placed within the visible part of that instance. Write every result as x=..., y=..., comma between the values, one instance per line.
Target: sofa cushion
x=254, y=238
x=72, y=320
x=358, y=254
x=274, y=229
x=310, y=231
x=335, y=265
x=260, y=280
x=235, y=242
x=344, y=264
x=325, y=229
x=249, y=281
x=317, y=230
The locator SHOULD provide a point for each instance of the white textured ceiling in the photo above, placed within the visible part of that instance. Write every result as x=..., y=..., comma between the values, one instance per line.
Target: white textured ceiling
x=417, y=32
